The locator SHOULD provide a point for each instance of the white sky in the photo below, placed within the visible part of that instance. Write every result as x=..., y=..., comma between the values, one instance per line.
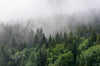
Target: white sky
x=24, y=9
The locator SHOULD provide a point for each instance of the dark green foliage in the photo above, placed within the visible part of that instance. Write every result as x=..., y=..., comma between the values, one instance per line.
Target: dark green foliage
x=57, y=38
x=21, y=46
x=65, y=38
x=65, y=59
x=90, y=57
x=98, y=39
x=92, y=39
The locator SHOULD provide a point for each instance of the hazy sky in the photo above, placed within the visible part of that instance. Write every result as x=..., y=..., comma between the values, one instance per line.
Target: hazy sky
x=23, y=9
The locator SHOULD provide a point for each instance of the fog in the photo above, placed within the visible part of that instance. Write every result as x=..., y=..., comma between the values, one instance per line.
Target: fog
x=51, y=15
x=26, y=9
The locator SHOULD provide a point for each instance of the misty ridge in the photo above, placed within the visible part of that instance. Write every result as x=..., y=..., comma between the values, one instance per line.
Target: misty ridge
x=53, y=24
x=24, y=30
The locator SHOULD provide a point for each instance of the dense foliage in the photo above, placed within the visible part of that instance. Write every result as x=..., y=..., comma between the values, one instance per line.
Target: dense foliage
x=80, y=47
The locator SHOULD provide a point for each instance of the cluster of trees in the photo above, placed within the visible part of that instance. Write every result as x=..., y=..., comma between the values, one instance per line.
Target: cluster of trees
x=77, y=48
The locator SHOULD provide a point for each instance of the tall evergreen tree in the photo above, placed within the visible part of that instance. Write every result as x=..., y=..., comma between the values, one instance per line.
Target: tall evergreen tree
x=92, y=39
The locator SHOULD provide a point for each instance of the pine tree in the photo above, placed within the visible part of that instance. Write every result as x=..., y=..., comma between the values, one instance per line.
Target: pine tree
x=98, y=40
x=57, y=38
x=92, y=39
x=65, y=39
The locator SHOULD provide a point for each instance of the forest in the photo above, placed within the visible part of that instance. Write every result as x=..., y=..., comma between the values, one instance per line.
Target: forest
x=24, y=47
x=49, y=32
